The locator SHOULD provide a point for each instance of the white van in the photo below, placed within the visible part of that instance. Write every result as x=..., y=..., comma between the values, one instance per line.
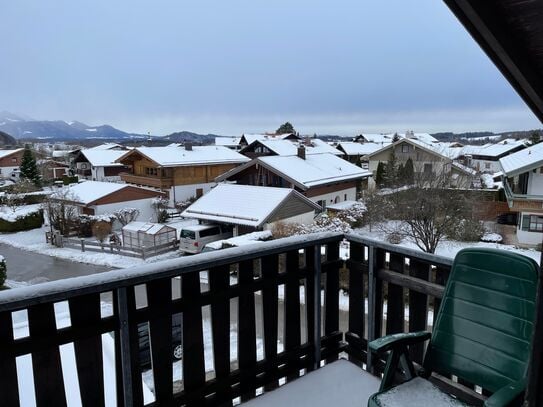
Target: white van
x=194, y=237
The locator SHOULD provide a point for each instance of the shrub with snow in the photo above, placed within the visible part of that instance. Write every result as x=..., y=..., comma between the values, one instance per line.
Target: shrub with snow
x=492, y=238
x=3, y=271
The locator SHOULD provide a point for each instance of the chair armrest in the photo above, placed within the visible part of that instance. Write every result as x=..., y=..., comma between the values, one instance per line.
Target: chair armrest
x=506, y=395
x=389, y=342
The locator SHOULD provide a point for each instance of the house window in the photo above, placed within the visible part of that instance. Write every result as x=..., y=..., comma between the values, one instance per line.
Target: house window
x=345, y=197
x=427, y=168
x=14, y=160
x=536, y=223
x=487, y=166
x=83, y=166
x=151, y=171
x=405, y=148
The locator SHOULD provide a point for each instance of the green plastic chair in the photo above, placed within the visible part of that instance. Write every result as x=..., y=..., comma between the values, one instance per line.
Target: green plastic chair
x=482, y=334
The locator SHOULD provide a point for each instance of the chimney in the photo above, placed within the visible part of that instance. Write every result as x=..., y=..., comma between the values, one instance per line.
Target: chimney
x=301, y=152
x=188, y=146
x=307, y=141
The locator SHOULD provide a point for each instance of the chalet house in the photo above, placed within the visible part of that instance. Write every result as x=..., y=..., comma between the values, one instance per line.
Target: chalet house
x=230, y=142
x=429, y=161
x=51, y=169
x=523, y=185
x=389, y=138
x=247, y=139
x=323, y=178
x=486, y=158
x=99, y=165
x=353, y=151
x=182, y=172
x=251, y=208
x=265, y=147
x=99, y=198
x=10, y=160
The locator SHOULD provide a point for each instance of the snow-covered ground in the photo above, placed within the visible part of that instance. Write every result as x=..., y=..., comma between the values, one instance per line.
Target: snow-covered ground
x=450, y=248
x=34, y=241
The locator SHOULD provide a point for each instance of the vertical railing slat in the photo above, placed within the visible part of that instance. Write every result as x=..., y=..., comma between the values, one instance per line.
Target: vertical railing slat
x=270, y=314
x=331, y=300
x=85, y=312
x=395, y=302
x=193, y=342
x=246, y=329
x=357, y=307
x=219, y=282
x=159, y=299
x=9, y=389
x=292, y=307
x=128, y=355
x=418, y=307
x=46, y=364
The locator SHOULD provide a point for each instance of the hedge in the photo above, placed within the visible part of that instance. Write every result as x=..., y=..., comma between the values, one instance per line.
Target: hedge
x=33, y=220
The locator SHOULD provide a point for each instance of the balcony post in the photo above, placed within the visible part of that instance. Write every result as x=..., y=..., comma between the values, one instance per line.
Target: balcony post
x=317, y=306
x=372, y=282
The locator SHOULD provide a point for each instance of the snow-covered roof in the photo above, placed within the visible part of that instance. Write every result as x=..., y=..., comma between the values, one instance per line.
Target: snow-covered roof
x=108, y=146
x=59, y=153
x=353, y=148
x=387, y=138
x=287, y=147
x=198, y=155
x=433, y=148
x=247, y=205
x=4, y=153
x=227, y=141
x=377, y=138
x=148, y=228
x=103, y=158
x=315, y=169
x=251, y=138
x=89, y=191
x=523, y=160
x=463, y=168
x=493, y=150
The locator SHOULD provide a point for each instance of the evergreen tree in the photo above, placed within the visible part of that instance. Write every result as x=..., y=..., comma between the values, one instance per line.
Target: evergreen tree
x=391, y=171
x=285, y=128
x=380, y=175
x=400, y=174
x=409, y=172
x=29, y=169
x=535, y=137
x=395, y=138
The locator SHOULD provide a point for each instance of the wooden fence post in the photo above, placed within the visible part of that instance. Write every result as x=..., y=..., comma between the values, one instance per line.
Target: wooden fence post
x=82, y=245
x=143, y=252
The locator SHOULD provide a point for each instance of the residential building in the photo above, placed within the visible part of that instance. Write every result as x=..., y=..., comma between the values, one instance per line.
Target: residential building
x=429, y=162
x=265, y=147
x=99, y=198
x=323, y=178
x=486, y=158
x=523, y=185
x=10, y=161
x=182, y=172
x=354, y=151
x=51, y=169
x=251, y=208
x=99, y=164
x=230, y=142
x=247, y=139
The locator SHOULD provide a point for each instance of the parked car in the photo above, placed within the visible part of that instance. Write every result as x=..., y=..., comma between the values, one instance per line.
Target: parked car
x=249, y=238
x=193, y=238
x=177, y=346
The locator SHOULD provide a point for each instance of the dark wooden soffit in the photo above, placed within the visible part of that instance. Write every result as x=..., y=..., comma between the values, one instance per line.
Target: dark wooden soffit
x=511, y=34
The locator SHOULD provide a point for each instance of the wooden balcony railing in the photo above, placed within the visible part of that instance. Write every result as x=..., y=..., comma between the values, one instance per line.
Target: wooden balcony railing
x=150, y=181
x=267, y=298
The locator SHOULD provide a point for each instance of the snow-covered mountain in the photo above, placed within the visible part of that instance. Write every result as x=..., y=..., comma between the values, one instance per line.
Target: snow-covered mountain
x=20, y=126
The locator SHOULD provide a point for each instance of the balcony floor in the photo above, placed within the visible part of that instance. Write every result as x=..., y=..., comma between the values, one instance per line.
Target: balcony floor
x=340, y=383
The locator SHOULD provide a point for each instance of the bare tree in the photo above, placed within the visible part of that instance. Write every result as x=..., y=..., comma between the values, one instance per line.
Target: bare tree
x=126, y=215
x=430, y=210
x=60, y=210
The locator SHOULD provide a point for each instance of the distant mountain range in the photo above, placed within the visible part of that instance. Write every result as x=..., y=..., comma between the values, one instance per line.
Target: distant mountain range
x=26, y=128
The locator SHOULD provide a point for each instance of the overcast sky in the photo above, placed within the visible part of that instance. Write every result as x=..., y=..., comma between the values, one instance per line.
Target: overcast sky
x=235, y=66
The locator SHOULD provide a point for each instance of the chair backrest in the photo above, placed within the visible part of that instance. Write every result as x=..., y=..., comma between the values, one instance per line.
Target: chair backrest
x=484, y=327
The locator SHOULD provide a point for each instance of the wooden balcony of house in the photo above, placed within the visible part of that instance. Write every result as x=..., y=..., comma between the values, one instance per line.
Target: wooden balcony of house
x=522, y=202
x=254, y=320
x=147, y=180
